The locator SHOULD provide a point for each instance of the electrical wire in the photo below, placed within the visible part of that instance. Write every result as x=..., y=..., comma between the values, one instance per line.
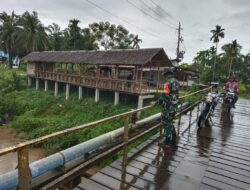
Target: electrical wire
x=169, y=23
x=123, y=20
x=135, y=6
x=165, y=11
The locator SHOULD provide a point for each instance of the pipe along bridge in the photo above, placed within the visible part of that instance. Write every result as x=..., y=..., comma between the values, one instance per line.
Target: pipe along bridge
x=215, y=157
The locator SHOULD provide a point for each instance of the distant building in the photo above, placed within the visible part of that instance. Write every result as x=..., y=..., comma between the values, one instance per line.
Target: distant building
x=121, y=71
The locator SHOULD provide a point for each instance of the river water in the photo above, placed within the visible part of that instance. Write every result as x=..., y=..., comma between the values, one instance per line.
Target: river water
x=8, y=137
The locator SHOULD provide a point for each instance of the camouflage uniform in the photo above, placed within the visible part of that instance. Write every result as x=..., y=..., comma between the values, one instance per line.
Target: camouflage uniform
x=169, y=103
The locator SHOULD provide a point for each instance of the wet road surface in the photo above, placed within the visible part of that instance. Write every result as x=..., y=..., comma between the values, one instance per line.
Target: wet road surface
x=212, y=158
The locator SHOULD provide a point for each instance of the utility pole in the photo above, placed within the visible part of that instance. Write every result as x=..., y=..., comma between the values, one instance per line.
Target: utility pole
x=178, y=53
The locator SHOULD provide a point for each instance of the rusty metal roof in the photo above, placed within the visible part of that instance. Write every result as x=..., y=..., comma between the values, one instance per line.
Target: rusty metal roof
x=145, y=56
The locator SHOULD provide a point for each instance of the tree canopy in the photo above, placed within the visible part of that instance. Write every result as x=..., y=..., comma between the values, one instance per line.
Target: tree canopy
x=21, y=34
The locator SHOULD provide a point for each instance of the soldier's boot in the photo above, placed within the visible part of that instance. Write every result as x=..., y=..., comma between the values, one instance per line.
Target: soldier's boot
x=174, y=139
x=165, y=141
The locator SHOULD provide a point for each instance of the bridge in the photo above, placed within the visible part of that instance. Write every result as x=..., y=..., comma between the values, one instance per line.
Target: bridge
x=214, y=157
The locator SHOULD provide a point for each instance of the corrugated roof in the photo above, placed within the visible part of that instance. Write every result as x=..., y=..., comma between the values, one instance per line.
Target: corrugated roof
x=116, y=57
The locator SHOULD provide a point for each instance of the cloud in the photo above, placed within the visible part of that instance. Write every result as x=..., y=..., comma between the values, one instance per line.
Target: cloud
x=238, y=3
x=197, y=17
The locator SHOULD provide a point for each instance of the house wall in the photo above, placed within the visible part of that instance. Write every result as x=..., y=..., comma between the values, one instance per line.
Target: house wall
x=31, y=67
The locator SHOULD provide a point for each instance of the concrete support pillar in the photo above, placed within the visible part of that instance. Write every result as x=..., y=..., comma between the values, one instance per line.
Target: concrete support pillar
x=67, y=91
x=140, y=102
x=56, y=88
x=46, y=85
x=97, y=95
x=29, y=82
x=80, y=92
x=116, y=101
x=140, y=105
x=37, y=84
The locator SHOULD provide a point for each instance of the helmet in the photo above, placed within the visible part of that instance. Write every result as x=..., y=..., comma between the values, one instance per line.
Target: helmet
x=232, y=76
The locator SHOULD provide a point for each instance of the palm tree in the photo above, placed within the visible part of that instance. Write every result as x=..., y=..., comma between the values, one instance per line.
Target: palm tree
x=74, y=34
x=136, y=41
x=55, y=35
x=232, y=50
x=8, y=29
x=32, y=35
x=218, y=33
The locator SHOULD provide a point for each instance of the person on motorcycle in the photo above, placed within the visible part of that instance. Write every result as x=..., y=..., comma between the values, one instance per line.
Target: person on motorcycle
x=233, y=86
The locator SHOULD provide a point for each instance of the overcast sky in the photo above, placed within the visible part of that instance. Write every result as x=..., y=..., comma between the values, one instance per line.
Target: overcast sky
x=155, y=21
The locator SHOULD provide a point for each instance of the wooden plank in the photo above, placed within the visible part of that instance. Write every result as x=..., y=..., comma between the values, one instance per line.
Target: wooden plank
x=235, y=155
x=157, y=163
x=229, y=150
x=128, y=178
x=218, y=184
x=207, y=187
x=227, y=180
x=244, y=163
x=229, y=168
x=140, y=173
x=109, y=182
x=229, y=174
x=89, y=184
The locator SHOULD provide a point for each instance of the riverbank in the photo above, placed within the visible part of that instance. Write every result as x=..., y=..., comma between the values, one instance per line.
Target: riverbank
x=8, y=137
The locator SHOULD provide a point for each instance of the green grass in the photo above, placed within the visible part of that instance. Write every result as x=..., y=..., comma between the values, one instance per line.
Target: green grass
x=38, y=113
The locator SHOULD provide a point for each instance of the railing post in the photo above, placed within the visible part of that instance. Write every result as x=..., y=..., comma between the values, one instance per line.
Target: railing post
x=190, y=115
x=161, y=130
x=23, y=169
x=198, y=109
x=179, y=121
x=125, y=139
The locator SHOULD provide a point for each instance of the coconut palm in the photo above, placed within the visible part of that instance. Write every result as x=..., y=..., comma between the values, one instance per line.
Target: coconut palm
x=136, y=41
x=232, y=51
x=8, y=27
x=55, y=36
x=32, y=35
x=74, y=35
x=217, y=34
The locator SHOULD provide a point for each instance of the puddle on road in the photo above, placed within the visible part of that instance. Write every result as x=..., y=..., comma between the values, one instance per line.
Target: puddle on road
x=8, y=162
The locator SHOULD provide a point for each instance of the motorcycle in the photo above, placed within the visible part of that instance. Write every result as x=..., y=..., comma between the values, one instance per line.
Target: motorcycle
x=229, y=100
x=207, y=110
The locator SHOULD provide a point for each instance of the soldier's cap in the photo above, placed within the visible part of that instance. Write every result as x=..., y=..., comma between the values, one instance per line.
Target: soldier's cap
x=170, y=70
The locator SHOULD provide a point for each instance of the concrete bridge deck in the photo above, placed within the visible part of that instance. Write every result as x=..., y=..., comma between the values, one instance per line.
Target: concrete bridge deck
x=213, y=158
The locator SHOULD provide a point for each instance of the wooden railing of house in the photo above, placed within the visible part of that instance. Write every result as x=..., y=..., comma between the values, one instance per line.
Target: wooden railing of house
x=129, y=86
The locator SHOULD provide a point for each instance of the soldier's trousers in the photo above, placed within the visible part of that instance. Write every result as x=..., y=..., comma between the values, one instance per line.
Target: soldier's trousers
x=168, y=122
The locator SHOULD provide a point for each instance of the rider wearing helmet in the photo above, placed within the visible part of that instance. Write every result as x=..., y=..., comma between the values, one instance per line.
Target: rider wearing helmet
x=233, y=86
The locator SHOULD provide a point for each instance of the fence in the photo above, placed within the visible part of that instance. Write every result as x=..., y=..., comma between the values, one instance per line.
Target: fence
x=24, y=172
x=130, y=86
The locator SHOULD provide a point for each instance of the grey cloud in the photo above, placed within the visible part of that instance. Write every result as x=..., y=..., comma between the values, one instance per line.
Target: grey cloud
x=238, y=3
x=198, y=17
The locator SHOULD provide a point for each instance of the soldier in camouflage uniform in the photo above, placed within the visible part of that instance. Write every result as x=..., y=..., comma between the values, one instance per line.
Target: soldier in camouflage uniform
x=169, y=103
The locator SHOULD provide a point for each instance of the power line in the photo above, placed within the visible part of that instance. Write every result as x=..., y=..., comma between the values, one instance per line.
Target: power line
x=172, y=25
x=123, y=20
x=166, y=19
x=147, y=13
x=164, y=11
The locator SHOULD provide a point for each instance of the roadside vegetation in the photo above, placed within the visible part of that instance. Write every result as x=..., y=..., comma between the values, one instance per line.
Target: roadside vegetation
x=37, y=113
